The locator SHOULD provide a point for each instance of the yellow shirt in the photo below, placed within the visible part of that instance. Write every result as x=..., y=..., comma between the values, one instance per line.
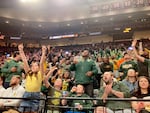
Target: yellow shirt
x=34, y=82
x=65, y=85
x=57, y=94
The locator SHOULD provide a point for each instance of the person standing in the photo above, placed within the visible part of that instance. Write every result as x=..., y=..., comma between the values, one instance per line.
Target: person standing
x=146, y=61
x=84, y=72
x=106, y=65
x=126, y=65
x=34, y=78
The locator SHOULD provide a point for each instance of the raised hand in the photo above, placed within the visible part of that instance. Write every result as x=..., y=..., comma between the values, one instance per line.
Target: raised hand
x=89, y=73
x=44, y=49
x=74, y=88
x=108, y=89
x=48, y=47
x=75, y=60
x=134, y=43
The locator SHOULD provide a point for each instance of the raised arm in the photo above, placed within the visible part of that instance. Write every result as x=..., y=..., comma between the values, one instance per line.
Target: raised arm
x=23, y=57
x=140, y=58
x=46, y=82
x=43, y=57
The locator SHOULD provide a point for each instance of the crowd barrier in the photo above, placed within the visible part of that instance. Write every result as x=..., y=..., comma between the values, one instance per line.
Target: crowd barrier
x=14, y=109
x=44, y=106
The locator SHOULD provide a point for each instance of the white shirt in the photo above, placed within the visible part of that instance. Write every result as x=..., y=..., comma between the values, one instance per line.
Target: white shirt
x=16, y=91
x=2, y=91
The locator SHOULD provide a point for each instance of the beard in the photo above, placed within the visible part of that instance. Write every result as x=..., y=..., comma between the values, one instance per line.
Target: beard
x=107, y=82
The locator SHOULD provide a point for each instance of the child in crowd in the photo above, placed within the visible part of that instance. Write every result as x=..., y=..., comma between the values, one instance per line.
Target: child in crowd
x=67, y=81
x=34, y=78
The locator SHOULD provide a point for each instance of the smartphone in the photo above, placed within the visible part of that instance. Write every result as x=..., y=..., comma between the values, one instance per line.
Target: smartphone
x=130, y=48
x=7, y=55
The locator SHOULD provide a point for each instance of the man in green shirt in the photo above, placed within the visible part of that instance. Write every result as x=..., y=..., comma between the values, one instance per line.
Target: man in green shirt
x=12, y=67
x=81, y=105
x=126, y=65
x=113, y=89
x=84, y=69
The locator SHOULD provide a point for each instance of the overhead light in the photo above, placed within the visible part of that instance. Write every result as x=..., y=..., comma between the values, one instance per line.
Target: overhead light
x=143, y=19
x=129, y=16
x=40, y=25
x=7, y=22
x=68, y=24
x=148, y=14
x=55, y=37
x=81, y=23
x=23, y=0
x=96, y=20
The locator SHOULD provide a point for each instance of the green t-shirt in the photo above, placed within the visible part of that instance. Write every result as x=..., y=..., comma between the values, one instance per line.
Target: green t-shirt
x=6, y=69
x=125, y=66
x=87, y=104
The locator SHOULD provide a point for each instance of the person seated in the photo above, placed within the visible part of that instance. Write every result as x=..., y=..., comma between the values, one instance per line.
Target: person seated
x=113, y=89
x=81, y=105
x=53, y=91
x=131, y=80
x=15, y=90
x=143, y=91
x=2, y=89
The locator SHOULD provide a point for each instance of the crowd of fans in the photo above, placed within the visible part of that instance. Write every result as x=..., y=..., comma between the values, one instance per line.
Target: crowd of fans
x=105, y=70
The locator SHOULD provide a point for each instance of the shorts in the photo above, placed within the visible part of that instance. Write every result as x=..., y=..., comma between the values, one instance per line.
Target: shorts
x=30, y=105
